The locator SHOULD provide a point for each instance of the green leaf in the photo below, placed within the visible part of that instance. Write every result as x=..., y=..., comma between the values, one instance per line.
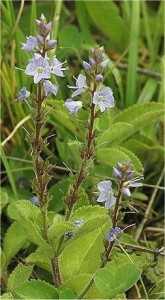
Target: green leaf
x=77, y=283
x=126, y=238
x=57, y=192
x=90, y=225
x=59, y=227
x=37, y=289
x=112, y=27
x=3, y=201
x=148, y=91
x=19, y=276
x=117, y=281
x=40, y=258
x=32, y=212
x=115, y=134
x=67, y=294
x=140, y=115
x=69, y=36
x=87, y=212
x=15, y=238
x=110, y=157
x=86, y=252
x=131, y=86
x=31, y=228
x=147, y=154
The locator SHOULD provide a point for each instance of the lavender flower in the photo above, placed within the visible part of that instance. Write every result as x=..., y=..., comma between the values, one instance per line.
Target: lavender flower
x=80, y=85
x=57, y=68
x=99, y=78
x=104, y=98
x=106, y=194
x=86, y=66
x=117, y=174
x=23, y=94
x=104, y=63
x=130, y=183
x=51, y=44
x=30, y=44
x=43, y=26
x=50, y=88
x=114, y=234
x=73, y=106
x=39, y=68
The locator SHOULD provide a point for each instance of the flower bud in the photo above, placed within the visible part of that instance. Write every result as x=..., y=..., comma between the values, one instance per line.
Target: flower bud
x=92, y=61
x=86, y=66
x=99, y=78
x=51, y=44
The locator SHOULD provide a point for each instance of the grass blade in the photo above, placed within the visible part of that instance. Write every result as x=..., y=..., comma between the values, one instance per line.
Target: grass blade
x=133, y=55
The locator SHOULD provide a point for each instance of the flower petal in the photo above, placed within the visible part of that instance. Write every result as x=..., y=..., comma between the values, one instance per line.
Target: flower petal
x=104, y=186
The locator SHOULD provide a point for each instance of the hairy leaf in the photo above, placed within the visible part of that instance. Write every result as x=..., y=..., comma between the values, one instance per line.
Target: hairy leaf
x=86, y=250
x=116, y=134
x=15, y=238
x=110, y=157
x=19, y=276
x=37, y=289
x=140, y=115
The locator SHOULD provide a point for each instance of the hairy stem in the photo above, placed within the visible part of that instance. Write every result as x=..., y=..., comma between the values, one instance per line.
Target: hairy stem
x=41, y=178
x=82, y=174
x=86, y=156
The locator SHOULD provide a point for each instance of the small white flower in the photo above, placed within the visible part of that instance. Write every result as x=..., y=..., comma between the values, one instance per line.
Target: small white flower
x=104, y=99
x=57, y=67
x=73, y=106
x=80, y=85
x=106, y=194
x=50, y=88
x=39, y=68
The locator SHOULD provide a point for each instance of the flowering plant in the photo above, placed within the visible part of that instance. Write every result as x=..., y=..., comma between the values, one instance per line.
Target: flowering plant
x=77, y=250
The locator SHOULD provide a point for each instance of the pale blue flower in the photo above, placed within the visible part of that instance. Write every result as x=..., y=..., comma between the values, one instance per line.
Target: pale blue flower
x=57, y=67
x=73, y=106
x=34, y=200
x=104, y=63
x=80, y=85
x=51, y=44
x=106, y=194
x=131, y=183
x=114, y=234
x=30, y=44
x=49, y=87
x=117, y=174
x=104, y=99
x=23, y=94
x=39, y=68
x=86, y=66
x=99, y=78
